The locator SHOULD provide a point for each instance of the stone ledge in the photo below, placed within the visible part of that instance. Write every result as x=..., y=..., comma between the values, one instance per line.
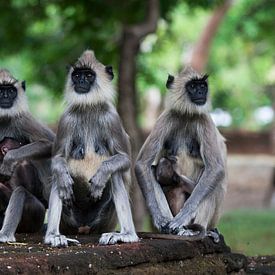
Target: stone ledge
x=150, y=256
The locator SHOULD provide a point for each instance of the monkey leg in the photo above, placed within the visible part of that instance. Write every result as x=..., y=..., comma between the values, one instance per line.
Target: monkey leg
x=121, y=200
x=33, y=215
x=176, y=199
x=13, y=214
x=5, y=193
x=53, y=236
x=209, y=211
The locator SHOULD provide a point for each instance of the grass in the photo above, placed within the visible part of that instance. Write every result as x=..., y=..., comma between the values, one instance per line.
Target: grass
x=249, y=231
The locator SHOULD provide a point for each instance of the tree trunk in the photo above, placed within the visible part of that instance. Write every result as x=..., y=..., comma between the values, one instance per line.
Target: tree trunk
x=127, y=97
x=272, y=132
x=202, y=48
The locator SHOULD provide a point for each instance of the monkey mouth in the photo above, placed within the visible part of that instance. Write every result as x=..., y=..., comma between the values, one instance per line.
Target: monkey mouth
x=199, y=101
x=5, y=105
x=81, y=89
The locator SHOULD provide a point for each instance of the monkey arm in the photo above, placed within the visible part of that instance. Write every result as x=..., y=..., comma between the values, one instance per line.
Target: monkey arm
x=212, y=176
x=115, y=164
x=119, y=161
x=187, y=184
x=40, y=146
x=152, y=191
x=62, y=178
x=36, y=150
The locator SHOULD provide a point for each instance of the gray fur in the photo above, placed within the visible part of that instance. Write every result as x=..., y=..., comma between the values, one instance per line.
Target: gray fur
x=91, y=163
x=183, y=122
x=19, y=124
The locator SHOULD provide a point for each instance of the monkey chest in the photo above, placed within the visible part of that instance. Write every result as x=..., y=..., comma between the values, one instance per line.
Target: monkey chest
x=87, y=166
x=85, y=157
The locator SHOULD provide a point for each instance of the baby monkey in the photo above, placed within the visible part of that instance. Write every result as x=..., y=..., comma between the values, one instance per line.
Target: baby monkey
x=176, y=187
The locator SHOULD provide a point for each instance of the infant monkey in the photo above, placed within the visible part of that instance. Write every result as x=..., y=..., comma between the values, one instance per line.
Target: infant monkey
x=176, y=187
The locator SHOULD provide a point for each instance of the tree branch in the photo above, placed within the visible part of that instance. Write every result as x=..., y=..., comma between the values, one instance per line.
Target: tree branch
x=127, y=97
x=202, y=48
x=150, y=23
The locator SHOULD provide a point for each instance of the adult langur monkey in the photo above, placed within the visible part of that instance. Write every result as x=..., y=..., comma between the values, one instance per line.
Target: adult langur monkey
x=24, y=161
x=91, y=160
x=185, y=131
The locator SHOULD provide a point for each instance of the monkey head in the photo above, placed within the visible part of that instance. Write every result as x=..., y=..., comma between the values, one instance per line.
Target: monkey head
x=89, y=81
x=188, y=92
x=12, y=95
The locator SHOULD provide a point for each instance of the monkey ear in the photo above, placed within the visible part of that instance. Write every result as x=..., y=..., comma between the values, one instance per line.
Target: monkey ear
x=169, y=81
x=109, y=71
x=23, y=85
x=68, y=67
x=205, y=77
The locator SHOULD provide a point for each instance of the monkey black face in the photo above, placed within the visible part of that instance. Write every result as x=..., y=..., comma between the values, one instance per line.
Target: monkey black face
x=8, y=94
x=83, y=79
x=197, y=90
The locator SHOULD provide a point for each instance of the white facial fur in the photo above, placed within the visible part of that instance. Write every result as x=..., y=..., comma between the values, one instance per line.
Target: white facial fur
x=101, y=91
x=177, y=98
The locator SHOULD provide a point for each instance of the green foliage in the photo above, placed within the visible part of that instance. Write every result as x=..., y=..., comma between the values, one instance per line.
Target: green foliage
x=39, y=38
x=249, y=231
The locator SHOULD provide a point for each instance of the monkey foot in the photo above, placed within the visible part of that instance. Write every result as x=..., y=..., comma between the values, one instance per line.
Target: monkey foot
x=59, y=241
x=214, y=234
x=187, y=232
x=4, y=238
x=114, y=237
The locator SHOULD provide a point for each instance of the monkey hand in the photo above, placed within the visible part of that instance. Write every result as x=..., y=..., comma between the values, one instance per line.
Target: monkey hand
x=162, y=224
x=65, y=186
x=182, y=219
x=98, y=183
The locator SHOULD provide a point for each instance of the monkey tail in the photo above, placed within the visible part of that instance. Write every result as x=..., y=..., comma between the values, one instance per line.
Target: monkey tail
x=193, y=227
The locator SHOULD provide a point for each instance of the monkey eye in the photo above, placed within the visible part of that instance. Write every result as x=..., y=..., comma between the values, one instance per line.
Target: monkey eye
x=12, y=92
x=75, y=74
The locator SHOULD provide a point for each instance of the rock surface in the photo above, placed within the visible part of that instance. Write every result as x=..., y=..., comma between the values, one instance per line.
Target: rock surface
x=149, y=256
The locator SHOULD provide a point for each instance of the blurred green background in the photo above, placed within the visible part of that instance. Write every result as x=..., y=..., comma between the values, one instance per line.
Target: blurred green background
x=39, y=39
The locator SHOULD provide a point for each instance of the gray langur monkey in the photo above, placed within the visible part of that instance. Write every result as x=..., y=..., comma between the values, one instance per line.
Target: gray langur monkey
x=185, y=131
x=91, y=160
x=25, y=161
